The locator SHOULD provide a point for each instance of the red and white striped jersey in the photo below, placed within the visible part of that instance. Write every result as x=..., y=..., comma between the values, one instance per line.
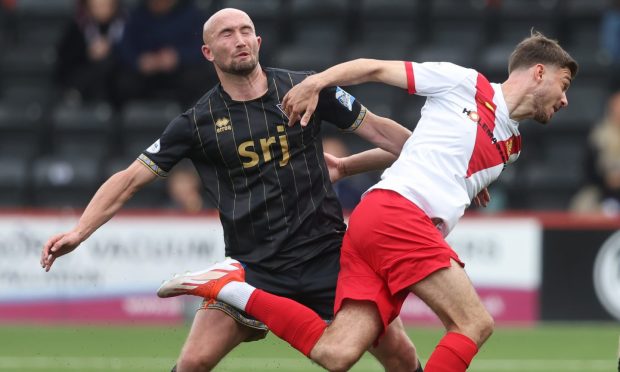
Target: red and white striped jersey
x=461, y=144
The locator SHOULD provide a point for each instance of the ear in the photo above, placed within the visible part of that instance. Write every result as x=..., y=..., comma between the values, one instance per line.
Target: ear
x=539, y=71
x=259, y=40
x=206, y=51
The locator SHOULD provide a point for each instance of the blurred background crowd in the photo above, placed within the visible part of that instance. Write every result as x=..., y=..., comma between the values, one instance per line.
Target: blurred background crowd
x=86, y=85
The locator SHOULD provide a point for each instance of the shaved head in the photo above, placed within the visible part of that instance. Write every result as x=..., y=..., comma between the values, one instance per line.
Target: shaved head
x=230, y=42
x=219, y=18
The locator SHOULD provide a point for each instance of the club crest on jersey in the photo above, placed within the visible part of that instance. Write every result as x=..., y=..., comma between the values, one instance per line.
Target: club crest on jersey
x=222, y=124
x=509, y=147
x=345, y=98
x=473, y=115
x=154, y=148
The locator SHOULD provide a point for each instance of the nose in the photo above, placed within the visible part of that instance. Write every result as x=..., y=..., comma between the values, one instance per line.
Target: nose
x=239, y=39
x=564, y=100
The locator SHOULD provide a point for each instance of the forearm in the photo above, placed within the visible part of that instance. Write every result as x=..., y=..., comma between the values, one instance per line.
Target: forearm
x=106, y=202
x=362, y=70
x=370, y=160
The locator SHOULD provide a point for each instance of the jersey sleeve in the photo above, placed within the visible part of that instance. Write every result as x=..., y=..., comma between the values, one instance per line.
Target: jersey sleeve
x=340, y=108
x=174, y=144
x=433, y=78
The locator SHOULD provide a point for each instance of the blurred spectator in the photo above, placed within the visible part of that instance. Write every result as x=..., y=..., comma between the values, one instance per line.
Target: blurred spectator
x=602, y=194
x=350, y=189
x=87, y=53
x=8, y=21
x=610, y=40
x=184, y=188
x=161, y=52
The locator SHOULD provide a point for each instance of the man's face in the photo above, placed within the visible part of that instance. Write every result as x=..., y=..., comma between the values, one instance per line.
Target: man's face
x=550, y=94
x=232, y=44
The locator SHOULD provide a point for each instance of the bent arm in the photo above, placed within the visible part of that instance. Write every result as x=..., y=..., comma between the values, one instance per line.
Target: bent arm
x=111, y=196
x=303, y=97
x=384, y=133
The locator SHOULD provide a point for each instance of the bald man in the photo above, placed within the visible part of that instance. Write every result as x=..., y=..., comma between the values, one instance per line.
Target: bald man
x=270, y=184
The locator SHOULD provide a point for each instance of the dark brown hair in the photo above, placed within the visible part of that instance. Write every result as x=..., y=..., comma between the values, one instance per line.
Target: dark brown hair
x=539, y=49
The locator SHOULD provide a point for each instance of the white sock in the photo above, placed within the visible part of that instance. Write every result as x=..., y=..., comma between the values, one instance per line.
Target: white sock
x=236, y=294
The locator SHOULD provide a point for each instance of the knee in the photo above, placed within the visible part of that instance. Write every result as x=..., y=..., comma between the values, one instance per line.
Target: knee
x=480, y=328
x=486, y=327
x=337, y=359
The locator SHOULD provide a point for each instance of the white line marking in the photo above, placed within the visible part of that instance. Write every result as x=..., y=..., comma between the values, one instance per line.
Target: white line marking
x=288, y=364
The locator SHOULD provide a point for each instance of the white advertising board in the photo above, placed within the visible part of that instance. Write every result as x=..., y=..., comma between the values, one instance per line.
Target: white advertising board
x=128, y=255
x=500, y=253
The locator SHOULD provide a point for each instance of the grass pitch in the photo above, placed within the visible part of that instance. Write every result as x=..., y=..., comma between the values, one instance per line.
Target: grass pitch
x=558, y=347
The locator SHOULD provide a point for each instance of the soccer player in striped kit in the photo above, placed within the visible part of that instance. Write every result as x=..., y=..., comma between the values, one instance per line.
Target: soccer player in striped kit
x=270, y=184
x=395, y=244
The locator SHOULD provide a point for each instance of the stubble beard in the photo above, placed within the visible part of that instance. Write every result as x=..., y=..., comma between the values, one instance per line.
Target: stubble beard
x=540, y=114
x=242, y=68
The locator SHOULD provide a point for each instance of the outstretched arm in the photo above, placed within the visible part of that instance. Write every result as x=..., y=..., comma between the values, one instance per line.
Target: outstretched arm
x=110, y=197
x=302, y=98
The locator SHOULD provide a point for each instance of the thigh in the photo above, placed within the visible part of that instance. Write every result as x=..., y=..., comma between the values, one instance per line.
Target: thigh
x=451, y=295
x=214, y=334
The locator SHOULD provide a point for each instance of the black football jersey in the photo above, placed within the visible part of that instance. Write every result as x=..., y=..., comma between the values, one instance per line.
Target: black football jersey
x=269, y=181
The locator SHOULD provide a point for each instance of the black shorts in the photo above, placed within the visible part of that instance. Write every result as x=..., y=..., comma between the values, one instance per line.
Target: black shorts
x=312, y=283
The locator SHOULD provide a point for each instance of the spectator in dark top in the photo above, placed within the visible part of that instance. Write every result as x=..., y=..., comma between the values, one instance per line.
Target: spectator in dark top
x=610, y=41
x=87, y=52
x=8, y=22
x=161, y=52
x=184, y=188
x=602, y=194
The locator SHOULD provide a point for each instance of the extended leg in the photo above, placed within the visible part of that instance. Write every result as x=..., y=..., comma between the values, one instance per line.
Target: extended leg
x=450, y=294
x=213, y=335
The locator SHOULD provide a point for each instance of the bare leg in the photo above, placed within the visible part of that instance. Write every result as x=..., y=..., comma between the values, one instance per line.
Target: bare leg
x=213, y=335
x=395, y=350
x=450, y=294
x=354, y=329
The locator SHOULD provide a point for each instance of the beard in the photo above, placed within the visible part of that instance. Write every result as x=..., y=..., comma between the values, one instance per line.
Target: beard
x=242, y=68
x=540, y=114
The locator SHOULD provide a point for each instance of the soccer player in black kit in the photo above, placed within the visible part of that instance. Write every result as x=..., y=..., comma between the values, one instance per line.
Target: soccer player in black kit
x=271, y=186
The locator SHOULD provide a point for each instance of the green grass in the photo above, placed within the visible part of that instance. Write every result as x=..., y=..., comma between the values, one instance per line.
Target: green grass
x=562, y=347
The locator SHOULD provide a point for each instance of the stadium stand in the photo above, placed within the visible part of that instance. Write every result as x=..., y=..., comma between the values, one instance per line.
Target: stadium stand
x=43, y=140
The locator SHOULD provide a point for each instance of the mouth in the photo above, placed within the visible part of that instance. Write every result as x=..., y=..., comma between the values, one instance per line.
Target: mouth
x=242, y=54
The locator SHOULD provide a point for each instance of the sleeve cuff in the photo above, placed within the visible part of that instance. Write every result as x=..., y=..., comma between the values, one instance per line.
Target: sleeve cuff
x=150, y=164
x=356, y=124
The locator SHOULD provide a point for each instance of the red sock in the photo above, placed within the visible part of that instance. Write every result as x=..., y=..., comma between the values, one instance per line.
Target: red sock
x=287, y=319
x=453, y=354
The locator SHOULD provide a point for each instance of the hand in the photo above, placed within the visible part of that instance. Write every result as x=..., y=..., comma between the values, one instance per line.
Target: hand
x=301, y=100
x=483, y=198
x=99, y=49
x=168, y=59
x=147, y=63
x=335, y=166
x=58, y=245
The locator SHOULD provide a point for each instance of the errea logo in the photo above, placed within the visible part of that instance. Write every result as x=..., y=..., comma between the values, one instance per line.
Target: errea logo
x=222, y=124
